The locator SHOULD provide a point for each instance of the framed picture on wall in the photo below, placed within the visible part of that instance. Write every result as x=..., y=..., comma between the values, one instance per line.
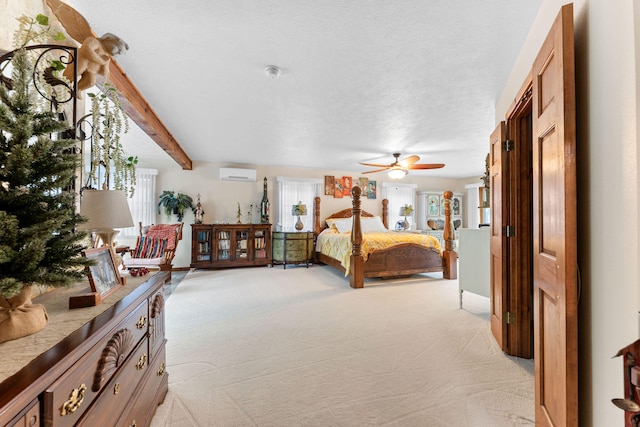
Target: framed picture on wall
x=338, y=192
x=329, y=185
x=363, y=182
x=347, y=183
x=371, y=190
x=103, y=274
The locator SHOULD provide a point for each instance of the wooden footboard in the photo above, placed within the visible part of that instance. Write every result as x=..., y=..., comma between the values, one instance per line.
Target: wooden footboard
x=400, y=260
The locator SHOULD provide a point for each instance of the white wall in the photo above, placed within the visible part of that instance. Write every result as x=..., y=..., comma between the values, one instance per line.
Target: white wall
x=606, y=95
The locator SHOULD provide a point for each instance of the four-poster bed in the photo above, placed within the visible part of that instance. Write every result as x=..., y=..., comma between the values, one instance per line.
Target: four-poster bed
x=409, y=253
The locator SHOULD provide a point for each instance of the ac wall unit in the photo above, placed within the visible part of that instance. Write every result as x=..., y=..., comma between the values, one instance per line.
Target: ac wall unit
x=233, y=174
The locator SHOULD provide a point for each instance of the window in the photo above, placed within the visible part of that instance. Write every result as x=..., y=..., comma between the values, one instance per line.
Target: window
x=398, y=196
x=143, y=202
x=291, y=191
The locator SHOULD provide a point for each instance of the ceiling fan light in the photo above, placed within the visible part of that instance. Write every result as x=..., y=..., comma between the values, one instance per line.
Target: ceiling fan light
x=397, y=173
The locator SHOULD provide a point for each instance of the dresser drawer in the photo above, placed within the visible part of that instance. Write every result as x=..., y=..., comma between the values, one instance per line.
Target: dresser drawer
x=69, y=397
x=150, y=394
x=30, y=417
x=117, y=393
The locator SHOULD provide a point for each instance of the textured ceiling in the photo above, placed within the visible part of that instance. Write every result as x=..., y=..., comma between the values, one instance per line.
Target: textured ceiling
x=360, y=79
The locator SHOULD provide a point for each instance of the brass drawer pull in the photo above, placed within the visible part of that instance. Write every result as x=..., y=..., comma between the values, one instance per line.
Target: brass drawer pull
x=75, y=399
x=142, y=322
x=116, y=388
x=134, y=424
x=141, y=362
x=161, y=369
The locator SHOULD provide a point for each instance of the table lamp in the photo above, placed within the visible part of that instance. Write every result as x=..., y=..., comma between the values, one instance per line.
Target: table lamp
x=299, y=210
x=405, y=211
x=105, y=210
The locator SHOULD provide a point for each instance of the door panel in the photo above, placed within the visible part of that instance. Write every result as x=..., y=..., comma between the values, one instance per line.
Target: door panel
x=498, y=268
x=554, y=227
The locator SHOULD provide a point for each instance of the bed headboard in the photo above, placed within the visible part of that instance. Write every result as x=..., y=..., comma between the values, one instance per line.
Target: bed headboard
x=320, y=225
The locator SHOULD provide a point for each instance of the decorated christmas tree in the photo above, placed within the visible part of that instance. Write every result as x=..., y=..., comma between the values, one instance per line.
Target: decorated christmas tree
x=39, y=243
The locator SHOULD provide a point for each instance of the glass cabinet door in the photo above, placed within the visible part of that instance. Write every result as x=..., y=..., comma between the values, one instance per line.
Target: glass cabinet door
x=242, y=246
x=260, y=245
x=223, y=238
x=203, y=245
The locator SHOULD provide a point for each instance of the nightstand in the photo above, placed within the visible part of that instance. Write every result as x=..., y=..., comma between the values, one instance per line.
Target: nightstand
x=290, y=247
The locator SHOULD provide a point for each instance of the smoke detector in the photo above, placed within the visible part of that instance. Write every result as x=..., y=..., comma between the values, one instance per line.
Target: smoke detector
x=272, y=71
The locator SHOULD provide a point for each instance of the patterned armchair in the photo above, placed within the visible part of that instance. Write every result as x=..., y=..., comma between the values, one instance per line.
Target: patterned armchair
x=155, y=248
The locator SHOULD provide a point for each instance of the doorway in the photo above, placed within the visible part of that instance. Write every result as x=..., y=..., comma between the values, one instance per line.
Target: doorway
x=533, y=232
x=511, y=229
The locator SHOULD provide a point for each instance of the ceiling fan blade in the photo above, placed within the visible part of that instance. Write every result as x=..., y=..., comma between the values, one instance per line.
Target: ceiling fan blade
x=409, y=161
x=375, y=165
x=376, y=170
x=426, y=166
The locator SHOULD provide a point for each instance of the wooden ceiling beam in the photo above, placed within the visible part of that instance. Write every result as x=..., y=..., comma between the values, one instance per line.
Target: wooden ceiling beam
x=137, y=108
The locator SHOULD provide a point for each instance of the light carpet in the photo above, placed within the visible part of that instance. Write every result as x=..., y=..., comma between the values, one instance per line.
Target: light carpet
x=299, y=347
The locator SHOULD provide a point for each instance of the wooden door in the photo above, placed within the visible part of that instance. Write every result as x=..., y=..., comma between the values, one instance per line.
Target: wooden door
x=555, y=294
x=498, y=176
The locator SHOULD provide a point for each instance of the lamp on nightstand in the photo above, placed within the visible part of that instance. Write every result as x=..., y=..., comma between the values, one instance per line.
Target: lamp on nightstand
x=299, y=210
x=405, y=211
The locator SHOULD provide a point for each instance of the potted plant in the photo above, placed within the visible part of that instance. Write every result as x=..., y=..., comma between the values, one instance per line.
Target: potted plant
x=38, y=219
x=174, y=204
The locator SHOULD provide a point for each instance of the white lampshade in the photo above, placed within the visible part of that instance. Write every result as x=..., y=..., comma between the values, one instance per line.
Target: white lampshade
x=105, y=210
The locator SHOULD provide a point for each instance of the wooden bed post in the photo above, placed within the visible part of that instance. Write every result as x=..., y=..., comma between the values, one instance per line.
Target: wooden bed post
x=357, y=260
x=317, y=228
x=449, y=256
x=385, y=213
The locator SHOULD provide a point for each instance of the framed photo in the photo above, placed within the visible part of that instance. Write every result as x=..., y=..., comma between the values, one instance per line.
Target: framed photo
x=329, y=185
x=103, y=275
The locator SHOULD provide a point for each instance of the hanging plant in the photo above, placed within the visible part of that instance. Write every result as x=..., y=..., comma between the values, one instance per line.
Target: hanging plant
x=108, y=123
x=174, y=204
x=35, y=30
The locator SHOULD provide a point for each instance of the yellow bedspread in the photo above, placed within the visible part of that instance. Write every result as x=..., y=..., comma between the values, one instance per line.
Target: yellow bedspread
x=338, y=245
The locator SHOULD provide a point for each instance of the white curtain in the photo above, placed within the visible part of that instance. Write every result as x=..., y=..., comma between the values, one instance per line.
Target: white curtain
x=291, y=191
x=143, y=203
x=398, y=196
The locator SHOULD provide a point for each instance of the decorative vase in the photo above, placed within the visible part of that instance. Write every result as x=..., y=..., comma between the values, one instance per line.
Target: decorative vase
x=299, y=225
x=264, y=205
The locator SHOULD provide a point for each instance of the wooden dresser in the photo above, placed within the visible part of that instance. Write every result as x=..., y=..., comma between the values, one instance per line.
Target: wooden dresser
x=109, y=372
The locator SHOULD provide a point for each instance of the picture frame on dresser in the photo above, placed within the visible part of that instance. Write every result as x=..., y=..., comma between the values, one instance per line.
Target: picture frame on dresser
x=104, y=277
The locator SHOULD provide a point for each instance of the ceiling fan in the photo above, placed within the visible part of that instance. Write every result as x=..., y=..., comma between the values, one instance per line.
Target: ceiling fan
x=400, y=168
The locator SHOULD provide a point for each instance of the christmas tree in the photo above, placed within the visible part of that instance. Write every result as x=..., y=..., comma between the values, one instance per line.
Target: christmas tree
x=39, y=243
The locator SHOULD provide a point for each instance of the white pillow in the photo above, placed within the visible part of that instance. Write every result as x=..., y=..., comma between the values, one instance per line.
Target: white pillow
x=372, y=225
x=343, y=225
